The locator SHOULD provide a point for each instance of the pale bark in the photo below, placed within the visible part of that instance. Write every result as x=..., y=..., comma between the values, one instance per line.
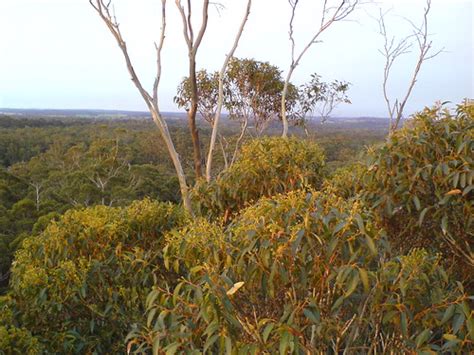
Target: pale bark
x=329, y=16
x=243, y=129
x=220, y=99
x=103, y=9
x=391, y=51
x=193, y=46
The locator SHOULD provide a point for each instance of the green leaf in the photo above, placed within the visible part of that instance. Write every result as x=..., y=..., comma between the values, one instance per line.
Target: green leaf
x=458, y=321
x=228, y=345
x=352, y=286
x=150, y=317
x=422, y=337
x=150, y=299
x=266, y=332
x=371, y=244
x=450, y=337
x=284, y=342
x=171, y=348
x=297, y=241
x=444, y=224
x=309, y=314
x=417, y=203
x=404, y=323
x=360, y=223
x=364, y=276
x=210, y=341
x=337, y=304
x=448, y=313
x=422, y=216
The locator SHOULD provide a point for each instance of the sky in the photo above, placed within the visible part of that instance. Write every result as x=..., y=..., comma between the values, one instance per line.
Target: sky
x=58, y=53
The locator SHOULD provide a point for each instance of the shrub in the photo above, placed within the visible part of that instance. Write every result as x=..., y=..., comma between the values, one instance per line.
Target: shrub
x=81, y=284
x=300, y=272
x=346, y=182
x=19, y=341
x=265, y=167
x=421, y=185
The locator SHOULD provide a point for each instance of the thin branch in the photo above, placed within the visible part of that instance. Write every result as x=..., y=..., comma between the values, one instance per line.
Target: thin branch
x=392, y=52
x=158, y=49
x=103, y=10
x=329, y=16
x=220, y=100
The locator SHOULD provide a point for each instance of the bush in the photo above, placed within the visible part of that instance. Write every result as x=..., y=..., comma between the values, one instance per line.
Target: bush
x=19, y=341
x=265, y=167
x=81, y=284
x=346, y=182
x=421, y=185
x=300, y=272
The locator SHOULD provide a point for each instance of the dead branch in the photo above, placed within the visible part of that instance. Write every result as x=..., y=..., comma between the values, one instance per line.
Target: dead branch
x=329, y=16
x=392, y=50
x=103, y=9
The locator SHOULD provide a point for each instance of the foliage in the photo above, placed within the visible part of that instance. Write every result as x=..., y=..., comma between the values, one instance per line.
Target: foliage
x=82, y=283
x=253, y=92
x=346, y=182
x=18, y=341
x=208, y=92
x=421, y=185
x=320, y=97
x=265, y=167
x=299, y=273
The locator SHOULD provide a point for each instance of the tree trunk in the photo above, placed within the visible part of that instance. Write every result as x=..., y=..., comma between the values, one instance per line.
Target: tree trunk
x=183, y=186
x=283, y=102
x=220, y=100
x=192, y=117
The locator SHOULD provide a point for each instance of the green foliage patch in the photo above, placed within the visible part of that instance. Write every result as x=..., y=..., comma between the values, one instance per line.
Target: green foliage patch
x=265, y=167
x=421, y=185
x=300, y=272
x=81, y=284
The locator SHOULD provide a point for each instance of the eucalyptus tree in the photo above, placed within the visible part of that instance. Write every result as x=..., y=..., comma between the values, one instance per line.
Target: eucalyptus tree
x=104, y=10
x=321, y=98
x=331, y=13
x=393, y=49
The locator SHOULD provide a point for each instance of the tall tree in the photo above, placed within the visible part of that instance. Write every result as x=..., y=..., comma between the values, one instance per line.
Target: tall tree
x=220, y=99
x=103, y=9
x=393, y=49
x=193, y=46
x=331, y=13
x=321, y=98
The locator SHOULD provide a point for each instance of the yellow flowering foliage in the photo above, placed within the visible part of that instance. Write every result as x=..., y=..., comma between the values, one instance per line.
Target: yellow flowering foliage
x=301, y=272
x=265, y=167
x=83, y=282
x=19, y=341
x=421, y=186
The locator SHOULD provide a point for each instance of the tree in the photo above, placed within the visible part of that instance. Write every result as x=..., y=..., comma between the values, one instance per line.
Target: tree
x=208, y=106
x=220, y=98
x=193, y=46
x=103, y=9
x=322, y=98
x=330, y=15
x=392, y=50
x=253, y=92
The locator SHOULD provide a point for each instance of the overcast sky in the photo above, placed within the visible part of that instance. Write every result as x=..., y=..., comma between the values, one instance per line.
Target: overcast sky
x=58, y=54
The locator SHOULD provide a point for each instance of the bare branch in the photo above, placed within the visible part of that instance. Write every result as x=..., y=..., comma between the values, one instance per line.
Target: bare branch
x=330, y=15
x=159, y=48
x=392, y=52
x=103, y=10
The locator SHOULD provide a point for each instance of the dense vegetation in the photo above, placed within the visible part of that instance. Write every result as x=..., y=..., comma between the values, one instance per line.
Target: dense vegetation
x=285, y=253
